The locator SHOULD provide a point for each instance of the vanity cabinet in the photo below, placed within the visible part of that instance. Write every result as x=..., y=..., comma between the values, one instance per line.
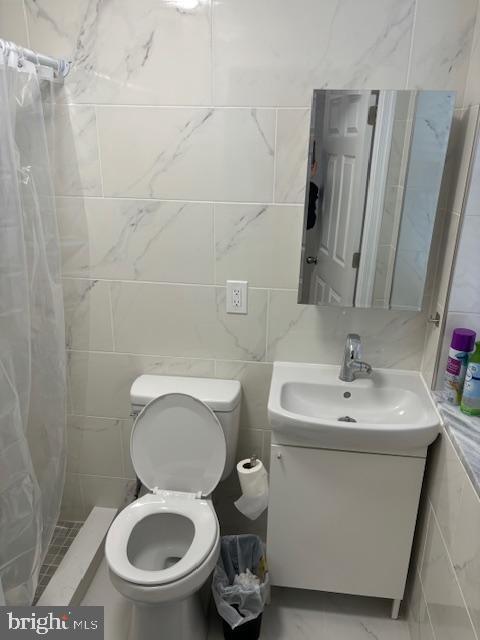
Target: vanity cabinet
x=342, y=521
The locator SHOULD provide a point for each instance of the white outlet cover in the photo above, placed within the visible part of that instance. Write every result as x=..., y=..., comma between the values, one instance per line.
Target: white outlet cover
x=237, y=296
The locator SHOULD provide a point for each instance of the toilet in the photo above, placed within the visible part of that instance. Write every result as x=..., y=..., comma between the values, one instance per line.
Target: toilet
x=162, y=548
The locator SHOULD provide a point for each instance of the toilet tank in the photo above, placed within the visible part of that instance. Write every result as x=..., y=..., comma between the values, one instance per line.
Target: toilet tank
x=222, y=396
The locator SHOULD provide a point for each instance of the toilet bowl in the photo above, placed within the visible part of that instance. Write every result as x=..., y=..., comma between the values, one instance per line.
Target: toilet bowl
x=162, y=548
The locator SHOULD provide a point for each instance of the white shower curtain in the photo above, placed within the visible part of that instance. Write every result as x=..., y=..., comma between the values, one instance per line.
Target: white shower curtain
x=32, y=344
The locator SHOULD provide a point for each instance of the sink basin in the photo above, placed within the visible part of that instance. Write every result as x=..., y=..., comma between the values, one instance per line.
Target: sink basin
x=389, y=411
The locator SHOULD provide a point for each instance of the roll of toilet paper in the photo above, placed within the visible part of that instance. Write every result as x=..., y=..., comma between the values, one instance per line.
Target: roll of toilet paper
x=254, y=485
x=253, y=480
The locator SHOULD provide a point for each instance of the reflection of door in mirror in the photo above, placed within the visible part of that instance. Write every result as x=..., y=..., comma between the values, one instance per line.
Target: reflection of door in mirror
x=374, y=176
x=332, y=244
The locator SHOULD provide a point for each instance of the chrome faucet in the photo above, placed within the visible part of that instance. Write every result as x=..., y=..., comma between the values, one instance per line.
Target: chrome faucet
x=352, y=366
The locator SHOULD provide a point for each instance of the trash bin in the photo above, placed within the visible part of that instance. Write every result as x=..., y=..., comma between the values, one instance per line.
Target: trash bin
x=241, y=586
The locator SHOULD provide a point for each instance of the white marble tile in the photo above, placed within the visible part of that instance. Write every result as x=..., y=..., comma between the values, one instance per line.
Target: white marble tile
x=100, y=491
x=72, y=507
x=128, y=470
x=418, y=217
x=99, y=383
x=441, y=44
x=409, y=279
x=430, y=135
x=88, y=322
x=466, y=552
x=381, y=291
x=73, y=149
x=399, y=152
x=94, y=446
x=250, y=442
x=472, y=87
x=189, y=321
x=291, y=155
x=117, y=609
x=298, y=614
x=392, y=210
x=317, y=334
x=417, y=614
x=459, y=158
x=465, y=292
x=13, y=22
x=446, y=480
x=276, y=53
x=258, y=243
x=137, y=239
x=444, y=599
x=255, y=378
x=123, y=52
x=187, y=154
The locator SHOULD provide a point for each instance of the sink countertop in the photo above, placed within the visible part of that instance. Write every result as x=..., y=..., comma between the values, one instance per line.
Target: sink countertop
x=464, y=431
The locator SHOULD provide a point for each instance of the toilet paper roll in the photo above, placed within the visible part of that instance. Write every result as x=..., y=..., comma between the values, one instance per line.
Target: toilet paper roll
x=254, y=484
x=253, y=480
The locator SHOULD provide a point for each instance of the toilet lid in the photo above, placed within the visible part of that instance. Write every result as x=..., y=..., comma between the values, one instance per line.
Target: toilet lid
x=178, y=444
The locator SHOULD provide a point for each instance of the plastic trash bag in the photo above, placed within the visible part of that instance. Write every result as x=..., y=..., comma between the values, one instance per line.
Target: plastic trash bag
x=239, y=595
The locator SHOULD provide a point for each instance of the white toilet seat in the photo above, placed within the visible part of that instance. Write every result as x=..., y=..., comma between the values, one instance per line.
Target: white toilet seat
x=200, y=512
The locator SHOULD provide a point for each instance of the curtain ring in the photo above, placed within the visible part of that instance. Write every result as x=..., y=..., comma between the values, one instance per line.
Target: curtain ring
x=19, y=52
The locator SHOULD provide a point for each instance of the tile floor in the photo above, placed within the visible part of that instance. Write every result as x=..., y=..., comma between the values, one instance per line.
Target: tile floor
x=63, y=536
x=296, y=614
x=292, y=615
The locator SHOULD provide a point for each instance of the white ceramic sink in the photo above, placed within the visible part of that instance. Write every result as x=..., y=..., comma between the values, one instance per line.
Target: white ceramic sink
x=390, y=410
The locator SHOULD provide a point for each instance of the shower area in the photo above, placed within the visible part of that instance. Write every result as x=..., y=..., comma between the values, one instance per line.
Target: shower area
x=32, y=334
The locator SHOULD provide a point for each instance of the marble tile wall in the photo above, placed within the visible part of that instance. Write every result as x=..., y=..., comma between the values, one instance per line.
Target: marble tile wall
x=181, y=139
x=445, y=596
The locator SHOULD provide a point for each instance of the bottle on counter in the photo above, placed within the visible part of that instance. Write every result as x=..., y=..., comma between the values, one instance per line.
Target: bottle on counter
x=462, y=345
x=471, y=390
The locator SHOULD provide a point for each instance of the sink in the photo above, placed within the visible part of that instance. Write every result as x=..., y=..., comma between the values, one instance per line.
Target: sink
x=389, y=411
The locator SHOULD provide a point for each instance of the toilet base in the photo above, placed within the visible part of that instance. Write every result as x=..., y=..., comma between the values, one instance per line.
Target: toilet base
x=181, y=619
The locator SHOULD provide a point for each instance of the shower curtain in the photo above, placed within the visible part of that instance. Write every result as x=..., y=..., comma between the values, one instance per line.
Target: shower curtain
x=32, y=343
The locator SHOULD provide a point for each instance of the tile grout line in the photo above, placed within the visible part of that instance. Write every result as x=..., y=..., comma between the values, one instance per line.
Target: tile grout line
x=100, y=165
x=212, y=53
x=114, y=346
x=427, y=528
x=412, y=39
x=214, y=241
x=267, y=323
x=209, y=106
x=173, y=284
x=275, y=150
x=239, y=203
x=427, y=608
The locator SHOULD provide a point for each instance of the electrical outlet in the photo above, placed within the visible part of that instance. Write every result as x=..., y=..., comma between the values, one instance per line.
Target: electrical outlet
x=237, y=291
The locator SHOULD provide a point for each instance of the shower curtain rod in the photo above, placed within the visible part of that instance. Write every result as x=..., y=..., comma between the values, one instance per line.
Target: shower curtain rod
x=59, y=65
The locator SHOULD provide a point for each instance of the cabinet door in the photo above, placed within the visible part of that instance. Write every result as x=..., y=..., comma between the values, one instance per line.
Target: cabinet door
x=342, y=521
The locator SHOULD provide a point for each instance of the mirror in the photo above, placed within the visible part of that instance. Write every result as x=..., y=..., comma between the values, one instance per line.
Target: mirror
x=375, y=166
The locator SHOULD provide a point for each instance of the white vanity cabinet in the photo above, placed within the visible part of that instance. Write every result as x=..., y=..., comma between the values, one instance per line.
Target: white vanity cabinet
x=342, y=521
